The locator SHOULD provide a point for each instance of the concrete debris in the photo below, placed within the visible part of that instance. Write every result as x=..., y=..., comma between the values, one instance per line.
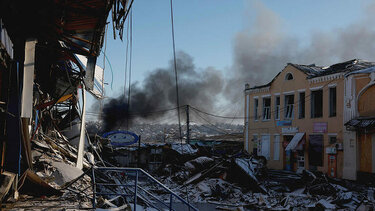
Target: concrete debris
x=183, y=148
x=243, y=182
x=7, y=179
x=198, y=163
x=64, y=172
x=53, y=168
x=326, y=205
x=235, y=181
x=197, y=173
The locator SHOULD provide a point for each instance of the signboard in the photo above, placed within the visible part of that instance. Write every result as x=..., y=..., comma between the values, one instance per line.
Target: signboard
x=289, y=130
x=121, y=138
x=320, y=127
x=284, y=123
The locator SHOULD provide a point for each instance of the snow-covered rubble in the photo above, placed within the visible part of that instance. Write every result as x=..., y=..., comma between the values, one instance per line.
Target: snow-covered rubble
x=183, y=148
x=228, y=186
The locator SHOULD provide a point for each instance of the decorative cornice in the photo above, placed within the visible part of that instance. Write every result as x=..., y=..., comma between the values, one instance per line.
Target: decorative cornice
x=326, y=78
x=258, y=90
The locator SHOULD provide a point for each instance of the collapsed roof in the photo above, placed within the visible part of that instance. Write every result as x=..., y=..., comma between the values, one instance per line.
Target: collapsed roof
x=313, y=71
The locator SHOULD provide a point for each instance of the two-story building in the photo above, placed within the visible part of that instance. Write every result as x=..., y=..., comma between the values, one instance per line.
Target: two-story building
x=359, y=118
x=297, y=120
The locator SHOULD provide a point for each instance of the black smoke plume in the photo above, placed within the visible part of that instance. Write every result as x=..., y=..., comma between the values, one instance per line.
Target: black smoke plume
x=197, y=87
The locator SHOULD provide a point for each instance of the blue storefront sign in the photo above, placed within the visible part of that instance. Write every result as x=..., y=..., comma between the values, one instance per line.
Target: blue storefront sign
x=284, y=123
x=121, y=138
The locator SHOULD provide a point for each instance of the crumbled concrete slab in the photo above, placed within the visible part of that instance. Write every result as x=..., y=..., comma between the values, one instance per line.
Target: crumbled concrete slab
x=65, y=173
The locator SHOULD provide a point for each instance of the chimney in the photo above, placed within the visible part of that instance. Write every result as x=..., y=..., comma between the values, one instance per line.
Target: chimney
x=247, y=86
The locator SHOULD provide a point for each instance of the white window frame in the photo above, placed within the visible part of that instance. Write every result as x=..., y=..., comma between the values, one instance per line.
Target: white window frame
x=277, y=107
x=264, y=149
x=256, y=108
x=266, y=110
x=288, y=108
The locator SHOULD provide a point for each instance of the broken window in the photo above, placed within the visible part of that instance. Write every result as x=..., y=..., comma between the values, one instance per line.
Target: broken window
x=277, y=107
x=332, y=139
x=255, y=109
x=288, y=77
x=301, y=105
x=316, y=103
x=289, y=106
x=332, y=101
x=316, y=150
x=266, y=108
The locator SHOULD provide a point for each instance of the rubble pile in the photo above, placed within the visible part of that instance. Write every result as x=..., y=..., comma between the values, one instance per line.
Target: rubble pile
x=198, y=174
x=163, y=133
x=53, y=176
x=243, y=181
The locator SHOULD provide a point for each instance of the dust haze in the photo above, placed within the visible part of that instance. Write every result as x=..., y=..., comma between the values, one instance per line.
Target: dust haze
x=260, y=50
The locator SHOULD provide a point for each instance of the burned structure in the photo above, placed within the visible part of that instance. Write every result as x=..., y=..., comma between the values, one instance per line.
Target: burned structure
x=317, y=118
x=48, y=54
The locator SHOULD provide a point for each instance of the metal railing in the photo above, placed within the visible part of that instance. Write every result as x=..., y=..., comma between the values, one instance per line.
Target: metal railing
x=128, y=184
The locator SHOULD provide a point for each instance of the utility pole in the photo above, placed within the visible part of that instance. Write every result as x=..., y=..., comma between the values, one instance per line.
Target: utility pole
x=139, y=152
x=187, y=125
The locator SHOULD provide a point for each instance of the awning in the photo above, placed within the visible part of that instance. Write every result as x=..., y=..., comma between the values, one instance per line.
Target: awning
x=295, y=141
x=361, y=123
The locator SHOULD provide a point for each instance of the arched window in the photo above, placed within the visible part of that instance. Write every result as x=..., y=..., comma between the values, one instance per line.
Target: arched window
x=288, y=76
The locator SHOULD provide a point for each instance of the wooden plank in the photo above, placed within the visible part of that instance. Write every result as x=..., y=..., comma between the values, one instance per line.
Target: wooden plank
x=365, y=153
x=7, y=179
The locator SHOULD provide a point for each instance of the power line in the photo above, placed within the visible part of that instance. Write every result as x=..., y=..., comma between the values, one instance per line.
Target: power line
x=175, y=71
x=110, y=67
x=130, y=64
x=215, y=115
x=307, y=99
x=143, y=113
x=224, y=131
x=126, y=58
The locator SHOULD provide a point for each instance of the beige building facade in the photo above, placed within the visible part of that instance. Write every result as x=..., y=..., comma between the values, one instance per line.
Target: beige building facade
x=297, y=120
x=359, y=130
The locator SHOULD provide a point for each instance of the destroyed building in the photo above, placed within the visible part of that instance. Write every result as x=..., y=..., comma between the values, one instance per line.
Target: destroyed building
x=317, y=118
x=48, y=54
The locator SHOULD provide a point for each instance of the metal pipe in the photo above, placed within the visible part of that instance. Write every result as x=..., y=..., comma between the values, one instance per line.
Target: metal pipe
x=122, y=169
x=109, y=184
x=153, y=196
x=81, y=146
x=135, y=191
x=93, y=187
x=170, y=201
x=114, y=194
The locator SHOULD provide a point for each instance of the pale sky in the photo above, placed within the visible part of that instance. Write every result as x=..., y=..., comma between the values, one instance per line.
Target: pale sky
x=206, y=30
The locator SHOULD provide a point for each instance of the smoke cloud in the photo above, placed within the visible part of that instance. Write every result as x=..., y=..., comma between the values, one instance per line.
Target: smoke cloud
x=263, y=48
x=197, y=87
x=260, y=51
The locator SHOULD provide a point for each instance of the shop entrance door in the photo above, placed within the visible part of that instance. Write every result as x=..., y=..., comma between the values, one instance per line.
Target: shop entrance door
x=288, y=155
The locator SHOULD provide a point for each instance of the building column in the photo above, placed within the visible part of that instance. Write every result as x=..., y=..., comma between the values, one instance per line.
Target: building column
x=27, y=98
x=350, y=155
x=81, y=145
x=373, y=153
x=28, y=79
x=247, y=97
